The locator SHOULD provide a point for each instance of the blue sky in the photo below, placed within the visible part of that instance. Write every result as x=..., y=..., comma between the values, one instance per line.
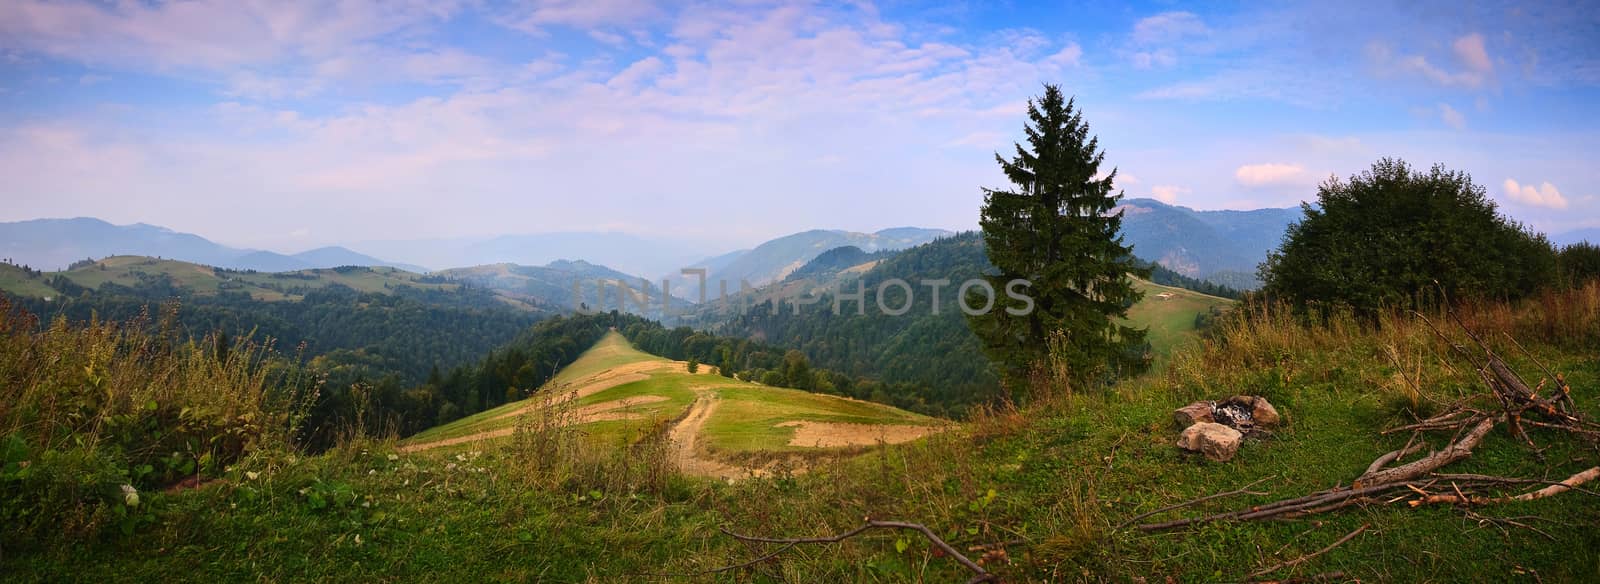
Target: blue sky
x=295, y=123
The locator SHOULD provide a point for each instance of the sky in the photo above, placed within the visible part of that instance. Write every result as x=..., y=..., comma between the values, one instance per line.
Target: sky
x=289, y=124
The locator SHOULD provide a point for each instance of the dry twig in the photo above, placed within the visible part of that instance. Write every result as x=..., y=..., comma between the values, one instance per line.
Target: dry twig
x=1307, y=557
x=979, y=574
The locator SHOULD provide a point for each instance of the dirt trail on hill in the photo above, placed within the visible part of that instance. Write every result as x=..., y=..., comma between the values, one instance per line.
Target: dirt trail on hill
x=488, y=435
x=605, y=380
x=837, y=434
x=612, y=410
x=686, y=433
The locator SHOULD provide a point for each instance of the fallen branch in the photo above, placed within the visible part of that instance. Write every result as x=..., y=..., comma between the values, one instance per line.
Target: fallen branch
x=1571, y=483
x=1239, y=491
x=1456, y=450
x=1307, y=557
x=1326, y=577
x=1384, y=460
x=979, y=574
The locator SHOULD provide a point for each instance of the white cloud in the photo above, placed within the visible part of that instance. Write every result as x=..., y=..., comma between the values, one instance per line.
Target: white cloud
x=1167, y=193
x=1452, y=117
x=533, y=16
x=1545, y=196
x=1068, y=56
x=738, y=96
x=1268, y=174
x=1156, y=40
x=1469, y=50
x=1167, y=27
x=217, y=35
x=1154, y=59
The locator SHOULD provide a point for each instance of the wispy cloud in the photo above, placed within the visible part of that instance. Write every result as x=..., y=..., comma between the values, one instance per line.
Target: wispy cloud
x=1269, y=174
x=1545, y=195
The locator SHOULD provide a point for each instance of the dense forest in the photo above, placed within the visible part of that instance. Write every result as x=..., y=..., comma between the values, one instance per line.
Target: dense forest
x=1162, y=275
x=923, y=361
x=405, y=331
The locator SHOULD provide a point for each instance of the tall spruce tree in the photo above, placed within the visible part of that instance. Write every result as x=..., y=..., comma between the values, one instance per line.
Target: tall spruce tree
x=1054, y=227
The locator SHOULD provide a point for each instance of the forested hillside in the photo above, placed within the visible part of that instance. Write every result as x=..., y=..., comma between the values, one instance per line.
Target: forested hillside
x=919, y=355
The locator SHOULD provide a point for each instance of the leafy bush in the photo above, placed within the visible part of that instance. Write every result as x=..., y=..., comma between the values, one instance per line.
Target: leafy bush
x=1396, y=237
x=1579, y=262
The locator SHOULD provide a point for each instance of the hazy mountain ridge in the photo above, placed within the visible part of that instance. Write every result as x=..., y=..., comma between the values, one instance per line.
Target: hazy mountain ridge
x=556, y=282
x=774, y=260
x=53, y=244
x=1220, y=246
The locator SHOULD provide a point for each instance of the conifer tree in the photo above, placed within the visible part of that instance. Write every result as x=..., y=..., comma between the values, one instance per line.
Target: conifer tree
x=1054, y=227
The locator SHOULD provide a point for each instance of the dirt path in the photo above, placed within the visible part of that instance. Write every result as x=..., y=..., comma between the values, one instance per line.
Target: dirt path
x=487, y=435
x=603, y=381
x=685, y=436
x=837, y=434
x=612, y=410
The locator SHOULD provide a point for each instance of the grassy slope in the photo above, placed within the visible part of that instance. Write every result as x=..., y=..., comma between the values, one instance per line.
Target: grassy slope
x=747, y=413
x=14, y=281
x=1170, y=320
x=1058, y=476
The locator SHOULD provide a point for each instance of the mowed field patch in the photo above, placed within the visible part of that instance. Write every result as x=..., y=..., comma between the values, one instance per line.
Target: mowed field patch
x=615, y=392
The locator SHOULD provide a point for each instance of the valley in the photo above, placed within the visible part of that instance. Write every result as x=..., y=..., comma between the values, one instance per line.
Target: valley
x=649, y=292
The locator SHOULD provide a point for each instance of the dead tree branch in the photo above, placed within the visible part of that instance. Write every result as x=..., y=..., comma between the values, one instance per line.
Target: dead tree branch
x=1308, y=557
x=1244, y=490
x=979, y=574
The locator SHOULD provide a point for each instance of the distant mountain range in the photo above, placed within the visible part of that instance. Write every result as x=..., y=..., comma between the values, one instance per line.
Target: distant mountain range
x=554, y=284
x=1223, y=247
x=776, y=259
x=628, y=253
x=53, y=244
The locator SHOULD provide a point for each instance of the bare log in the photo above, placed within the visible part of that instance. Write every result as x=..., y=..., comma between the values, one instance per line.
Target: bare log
x=1571, y=483
x=1384, y=460
x=1456, y=450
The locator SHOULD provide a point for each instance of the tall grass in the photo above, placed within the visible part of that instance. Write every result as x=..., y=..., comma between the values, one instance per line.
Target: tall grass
x=550, y=451
x=93, y=413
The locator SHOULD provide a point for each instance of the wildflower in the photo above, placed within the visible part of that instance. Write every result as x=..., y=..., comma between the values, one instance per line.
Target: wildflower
x=393, y=457
x=130, y=495
x=358, y=539
x=251, y=475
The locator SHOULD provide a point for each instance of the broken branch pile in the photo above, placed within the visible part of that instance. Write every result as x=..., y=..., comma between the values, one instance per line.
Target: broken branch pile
x=1387, y=481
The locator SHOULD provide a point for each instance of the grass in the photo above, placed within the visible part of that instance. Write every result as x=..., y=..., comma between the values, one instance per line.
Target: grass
x=1058, y=476
x=1170, y=319
x=14, y=281
x=747, y=416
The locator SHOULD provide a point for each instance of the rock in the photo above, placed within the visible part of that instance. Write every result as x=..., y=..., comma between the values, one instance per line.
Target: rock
x=1261, y=411
x=1265, y=415
x=1216, y=441
x=1192, y=414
